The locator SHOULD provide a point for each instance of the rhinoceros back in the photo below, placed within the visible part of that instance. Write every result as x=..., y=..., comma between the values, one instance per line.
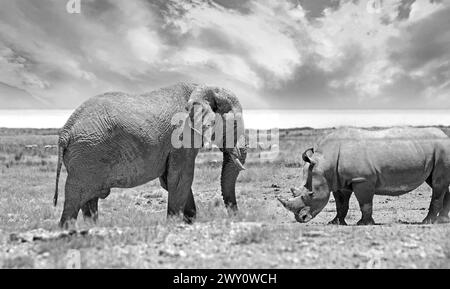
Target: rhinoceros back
x=356, y=134
x=395, y=160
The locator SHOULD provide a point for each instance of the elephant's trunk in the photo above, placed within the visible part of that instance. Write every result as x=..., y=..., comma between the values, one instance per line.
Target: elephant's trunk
x=233, y=160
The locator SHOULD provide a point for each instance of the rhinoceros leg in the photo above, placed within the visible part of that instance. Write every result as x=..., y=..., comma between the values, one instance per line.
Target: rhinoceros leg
x=90, y=210
x=364, y=193
x=435, y=205
x=443, y=214
x=342, y=198
x=163, y=181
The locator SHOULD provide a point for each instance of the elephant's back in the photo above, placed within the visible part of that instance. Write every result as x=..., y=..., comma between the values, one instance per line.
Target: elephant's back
x=121, y=140
x=131, y=108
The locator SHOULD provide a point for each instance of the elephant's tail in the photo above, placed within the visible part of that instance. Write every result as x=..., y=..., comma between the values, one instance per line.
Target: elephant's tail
x=61, y=149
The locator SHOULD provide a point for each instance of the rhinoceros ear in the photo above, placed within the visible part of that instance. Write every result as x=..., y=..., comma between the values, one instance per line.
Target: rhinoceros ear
x=305, y=155
x=307, y=196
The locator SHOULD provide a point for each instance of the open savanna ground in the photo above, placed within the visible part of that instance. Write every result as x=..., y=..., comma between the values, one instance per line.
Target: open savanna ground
x=132, y=230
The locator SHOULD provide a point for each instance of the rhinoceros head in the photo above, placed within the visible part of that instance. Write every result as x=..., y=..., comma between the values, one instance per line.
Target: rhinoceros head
x=313, y=197
x=297, y=205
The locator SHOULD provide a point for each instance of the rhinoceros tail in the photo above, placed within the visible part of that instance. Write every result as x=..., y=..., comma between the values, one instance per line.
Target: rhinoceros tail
x=61, y=149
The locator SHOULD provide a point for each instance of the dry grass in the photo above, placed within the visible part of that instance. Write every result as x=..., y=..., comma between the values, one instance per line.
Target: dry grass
x=133, y=231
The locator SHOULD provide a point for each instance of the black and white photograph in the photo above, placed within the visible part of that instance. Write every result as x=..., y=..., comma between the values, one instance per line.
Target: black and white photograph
x=224, y=134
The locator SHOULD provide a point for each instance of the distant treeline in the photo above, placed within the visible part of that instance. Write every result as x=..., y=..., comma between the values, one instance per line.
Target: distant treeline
x=28, y=131
x=284, y=132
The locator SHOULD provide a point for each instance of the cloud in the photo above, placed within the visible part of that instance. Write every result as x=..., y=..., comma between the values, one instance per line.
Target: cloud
x=14, y=70
x=365, y=59
x=316, y=8
x=256, y=38
x=423, y=58
x=357, y=30
x=144, y=44
x=280, y=54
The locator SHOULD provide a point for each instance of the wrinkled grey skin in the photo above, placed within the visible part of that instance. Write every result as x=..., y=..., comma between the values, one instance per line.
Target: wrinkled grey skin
x=386, y=162
x=118, y=140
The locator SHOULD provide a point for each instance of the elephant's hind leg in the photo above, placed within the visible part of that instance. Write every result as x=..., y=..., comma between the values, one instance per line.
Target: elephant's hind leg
x=72, y=204
x=90, y=210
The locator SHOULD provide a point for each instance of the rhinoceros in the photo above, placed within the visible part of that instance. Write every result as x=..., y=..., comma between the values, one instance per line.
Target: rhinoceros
x=389, y=162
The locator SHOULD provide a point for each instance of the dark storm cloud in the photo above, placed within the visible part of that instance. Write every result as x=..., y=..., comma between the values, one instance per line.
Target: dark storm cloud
x=425, y=41
x=310, y=84
x=404, y=9
x=243, y=6
x=424, y=56
x=315, y=8
x=405, y=88
x=216, y=40
x=98, y=7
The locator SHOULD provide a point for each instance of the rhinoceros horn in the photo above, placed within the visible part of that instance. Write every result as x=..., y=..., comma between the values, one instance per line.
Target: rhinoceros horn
x=293, y=204
x=295, y=192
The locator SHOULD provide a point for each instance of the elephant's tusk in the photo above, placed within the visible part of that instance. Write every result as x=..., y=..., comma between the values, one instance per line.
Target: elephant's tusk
x=197, y=131
x=237, y=162
x=238, y=152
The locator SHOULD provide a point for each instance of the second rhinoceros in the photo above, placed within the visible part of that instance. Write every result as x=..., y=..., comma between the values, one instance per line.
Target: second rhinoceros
x=385, y=162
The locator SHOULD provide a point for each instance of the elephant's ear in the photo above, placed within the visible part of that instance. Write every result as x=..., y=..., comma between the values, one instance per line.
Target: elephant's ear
x=220, y=100
x=200, y=109
x=205, y=96
x=217, y=105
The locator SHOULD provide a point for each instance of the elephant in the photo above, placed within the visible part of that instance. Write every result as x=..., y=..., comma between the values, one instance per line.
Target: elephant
x=120, y=140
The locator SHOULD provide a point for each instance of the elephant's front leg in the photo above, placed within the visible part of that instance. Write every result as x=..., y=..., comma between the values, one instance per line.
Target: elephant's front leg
x=228, y=179
x=190, y=210
x=180, y=175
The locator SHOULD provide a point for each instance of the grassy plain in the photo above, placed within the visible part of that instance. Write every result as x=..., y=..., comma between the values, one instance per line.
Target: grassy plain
x=133, y=232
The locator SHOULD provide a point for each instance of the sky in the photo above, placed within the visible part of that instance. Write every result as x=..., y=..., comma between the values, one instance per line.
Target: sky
x=287, y=54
